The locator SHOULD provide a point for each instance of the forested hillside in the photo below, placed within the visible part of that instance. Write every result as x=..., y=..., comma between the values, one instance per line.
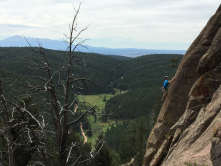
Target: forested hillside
x=98, y=68
x=138, y=79
x=139, y=106
x=108, y=71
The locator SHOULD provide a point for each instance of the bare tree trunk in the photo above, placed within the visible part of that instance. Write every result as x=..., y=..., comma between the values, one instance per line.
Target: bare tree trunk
x=8, y=136
x=47, y=155
x=10, y=148
x=60, y=111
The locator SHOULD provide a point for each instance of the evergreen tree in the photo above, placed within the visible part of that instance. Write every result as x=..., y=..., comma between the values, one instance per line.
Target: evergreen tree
x=175, y=62
x=89, y=132
x=156, y=109
x=140, y=141
x=106, y=156
x=104, y=100
x=127, y=148
x=104, y=117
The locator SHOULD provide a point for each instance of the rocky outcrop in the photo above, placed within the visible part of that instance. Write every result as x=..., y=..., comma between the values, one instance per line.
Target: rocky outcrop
x=194, y=143
x=216, y=144
x=213, y=55
x=161, y=152
x=184, y=129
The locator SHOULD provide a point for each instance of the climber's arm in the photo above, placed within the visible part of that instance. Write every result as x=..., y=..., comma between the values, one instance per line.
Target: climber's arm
x=172, y=80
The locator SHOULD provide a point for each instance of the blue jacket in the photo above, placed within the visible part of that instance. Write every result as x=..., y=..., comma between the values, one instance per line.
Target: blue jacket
x=166, y=83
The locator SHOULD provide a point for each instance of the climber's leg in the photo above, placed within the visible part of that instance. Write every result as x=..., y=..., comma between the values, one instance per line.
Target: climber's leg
x=164, y=93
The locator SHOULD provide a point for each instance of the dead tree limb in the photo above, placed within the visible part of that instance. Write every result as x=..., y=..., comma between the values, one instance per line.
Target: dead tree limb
x=61, y=108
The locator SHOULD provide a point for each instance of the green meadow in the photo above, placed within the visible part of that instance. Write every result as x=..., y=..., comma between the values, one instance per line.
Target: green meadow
x=98, y=126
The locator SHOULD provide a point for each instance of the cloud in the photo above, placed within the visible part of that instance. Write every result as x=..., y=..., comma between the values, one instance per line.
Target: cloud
x=139, y=21
x=15, y=26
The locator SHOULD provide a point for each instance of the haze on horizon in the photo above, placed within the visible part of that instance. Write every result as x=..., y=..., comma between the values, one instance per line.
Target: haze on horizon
x=148, y=24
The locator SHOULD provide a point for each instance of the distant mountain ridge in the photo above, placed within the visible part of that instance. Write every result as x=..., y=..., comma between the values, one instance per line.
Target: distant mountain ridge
x=19, y=41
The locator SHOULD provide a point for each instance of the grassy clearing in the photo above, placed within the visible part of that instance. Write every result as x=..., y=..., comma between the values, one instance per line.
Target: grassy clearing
x=97, y=100
x=100, y=127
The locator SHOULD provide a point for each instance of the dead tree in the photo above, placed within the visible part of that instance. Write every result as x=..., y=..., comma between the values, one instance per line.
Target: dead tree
x=60, y=108
x=6, y=129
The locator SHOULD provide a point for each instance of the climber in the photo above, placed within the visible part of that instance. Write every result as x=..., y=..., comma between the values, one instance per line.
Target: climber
x=164, y=88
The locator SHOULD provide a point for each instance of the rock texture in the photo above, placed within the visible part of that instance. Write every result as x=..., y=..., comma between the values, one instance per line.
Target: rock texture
x=216, y=144
x=195, y=141
x=161, y=152
x=187, y=129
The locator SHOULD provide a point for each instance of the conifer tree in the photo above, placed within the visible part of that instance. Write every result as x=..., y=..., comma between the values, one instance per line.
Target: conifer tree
x=104, y=100
x=140, y=141
x=105, y=156
x=175, y=62
x=156, y=109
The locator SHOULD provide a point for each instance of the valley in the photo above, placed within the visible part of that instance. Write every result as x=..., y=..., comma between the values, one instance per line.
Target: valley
x=126, y=88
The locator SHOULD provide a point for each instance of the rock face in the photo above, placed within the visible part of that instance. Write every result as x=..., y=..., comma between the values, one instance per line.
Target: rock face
x=194, y=143
x=216, y=144
x=187, y=129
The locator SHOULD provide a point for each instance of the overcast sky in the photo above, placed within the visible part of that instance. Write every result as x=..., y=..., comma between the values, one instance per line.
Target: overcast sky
x=156, y=24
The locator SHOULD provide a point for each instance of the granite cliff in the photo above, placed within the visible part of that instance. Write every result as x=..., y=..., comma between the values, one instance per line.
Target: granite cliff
x=188, y=128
